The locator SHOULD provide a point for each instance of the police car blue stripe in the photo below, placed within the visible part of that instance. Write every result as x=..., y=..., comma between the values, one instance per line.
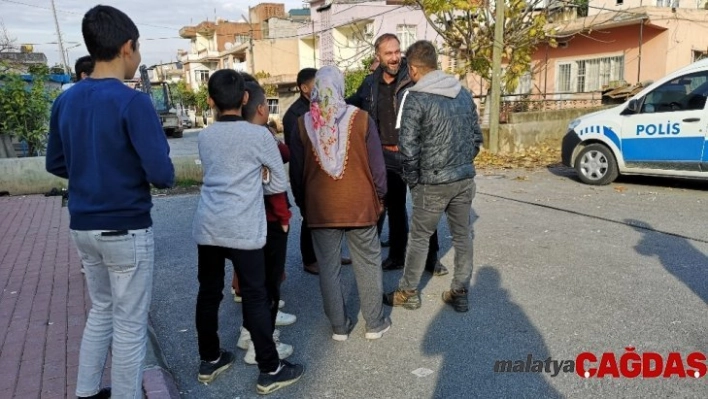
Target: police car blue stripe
x=663, y=149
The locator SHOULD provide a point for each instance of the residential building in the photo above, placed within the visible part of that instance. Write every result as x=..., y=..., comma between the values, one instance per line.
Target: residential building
x=266, y=46
x=171, y=72
x=342, y=32
x=609, y=48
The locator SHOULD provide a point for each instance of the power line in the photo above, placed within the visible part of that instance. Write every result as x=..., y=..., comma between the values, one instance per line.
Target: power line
x=79, y=13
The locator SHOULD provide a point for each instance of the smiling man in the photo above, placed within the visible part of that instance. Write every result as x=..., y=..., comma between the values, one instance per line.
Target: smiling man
x=380, y=95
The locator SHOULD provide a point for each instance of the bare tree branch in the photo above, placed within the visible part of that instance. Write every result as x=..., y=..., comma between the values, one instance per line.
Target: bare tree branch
x=7, y=43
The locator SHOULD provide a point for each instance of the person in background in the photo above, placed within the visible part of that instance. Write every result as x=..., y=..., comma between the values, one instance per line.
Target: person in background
x=82, y=70
x=108, y=141
x=338, y=174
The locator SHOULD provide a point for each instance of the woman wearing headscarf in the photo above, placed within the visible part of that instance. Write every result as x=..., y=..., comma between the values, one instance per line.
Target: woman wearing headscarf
x=338, y=179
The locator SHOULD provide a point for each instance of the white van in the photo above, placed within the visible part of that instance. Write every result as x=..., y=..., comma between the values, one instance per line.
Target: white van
x=662, y=130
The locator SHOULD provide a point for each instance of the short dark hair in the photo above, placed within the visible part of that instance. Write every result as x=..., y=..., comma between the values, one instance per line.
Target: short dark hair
x=106, y=30
x=85, y=65
x=226, y=88
x=305, y=75
x=422, y=54
x=256, y=97
x=247, y=77
x=383, y=38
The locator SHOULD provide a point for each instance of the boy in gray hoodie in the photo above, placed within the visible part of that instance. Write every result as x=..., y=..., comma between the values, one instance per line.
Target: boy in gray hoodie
x=230, y=223
x=439, y=139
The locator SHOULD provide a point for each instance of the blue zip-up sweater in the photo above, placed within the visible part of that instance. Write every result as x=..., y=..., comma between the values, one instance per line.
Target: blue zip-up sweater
x=106, y=138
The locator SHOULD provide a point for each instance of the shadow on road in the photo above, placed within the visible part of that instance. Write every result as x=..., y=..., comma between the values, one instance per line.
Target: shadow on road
x=494, y=329
x=678, y=256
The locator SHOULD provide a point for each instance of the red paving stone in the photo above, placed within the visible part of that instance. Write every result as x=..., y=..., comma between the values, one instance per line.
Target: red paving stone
x=43, y=302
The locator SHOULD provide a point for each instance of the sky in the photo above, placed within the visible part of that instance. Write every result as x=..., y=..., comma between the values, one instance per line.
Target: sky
x=159, y=21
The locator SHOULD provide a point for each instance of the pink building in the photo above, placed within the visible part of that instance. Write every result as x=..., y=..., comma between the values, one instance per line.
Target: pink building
x=630, y=45
x=342, y=32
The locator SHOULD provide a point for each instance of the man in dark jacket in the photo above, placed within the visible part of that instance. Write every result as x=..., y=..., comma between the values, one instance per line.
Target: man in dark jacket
x=439, y=139
x=379, y=95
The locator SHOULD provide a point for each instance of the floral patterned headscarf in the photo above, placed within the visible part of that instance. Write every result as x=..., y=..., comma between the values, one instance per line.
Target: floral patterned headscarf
x=328, y=121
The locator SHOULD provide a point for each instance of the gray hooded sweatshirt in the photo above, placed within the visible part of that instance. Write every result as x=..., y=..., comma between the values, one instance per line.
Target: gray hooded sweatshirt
x=440, y=134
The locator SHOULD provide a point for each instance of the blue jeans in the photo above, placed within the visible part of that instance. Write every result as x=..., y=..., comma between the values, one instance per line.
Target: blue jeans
x=119, y=273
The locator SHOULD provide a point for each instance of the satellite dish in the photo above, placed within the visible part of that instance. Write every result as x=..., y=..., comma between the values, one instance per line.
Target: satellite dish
x=228, y=45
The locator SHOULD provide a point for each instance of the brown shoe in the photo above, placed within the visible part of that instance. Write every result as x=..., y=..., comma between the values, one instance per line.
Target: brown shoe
x=457, y=299
x=346, y=261
x=408, y=299
x=312, y=268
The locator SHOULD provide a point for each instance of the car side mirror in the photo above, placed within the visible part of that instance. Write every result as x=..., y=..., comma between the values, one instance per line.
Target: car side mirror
x=633, y=106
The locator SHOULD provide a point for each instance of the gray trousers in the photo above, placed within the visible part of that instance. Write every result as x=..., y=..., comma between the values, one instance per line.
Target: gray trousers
x=365, y=250
x=429, y=203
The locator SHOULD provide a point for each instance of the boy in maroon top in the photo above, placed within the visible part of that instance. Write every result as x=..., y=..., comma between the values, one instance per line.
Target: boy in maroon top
x=278, y=217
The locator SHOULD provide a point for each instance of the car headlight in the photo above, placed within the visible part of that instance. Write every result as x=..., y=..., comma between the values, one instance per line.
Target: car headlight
x=573, y=124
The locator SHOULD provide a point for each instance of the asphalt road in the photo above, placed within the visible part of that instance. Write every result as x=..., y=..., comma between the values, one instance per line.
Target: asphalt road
x=561, y=268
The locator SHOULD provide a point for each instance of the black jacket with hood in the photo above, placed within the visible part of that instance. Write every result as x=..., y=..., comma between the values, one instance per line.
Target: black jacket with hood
x=367, y=96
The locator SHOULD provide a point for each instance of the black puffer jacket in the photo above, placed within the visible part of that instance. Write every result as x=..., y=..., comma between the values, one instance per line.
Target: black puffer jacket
x=440, y=134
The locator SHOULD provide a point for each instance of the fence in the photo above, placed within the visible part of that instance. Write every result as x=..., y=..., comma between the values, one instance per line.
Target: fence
x=541, y=102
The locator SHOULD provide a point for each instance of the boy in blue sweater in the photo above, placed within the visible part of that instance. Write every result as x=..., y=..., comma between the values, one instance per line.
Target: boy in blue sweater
x=107, y=140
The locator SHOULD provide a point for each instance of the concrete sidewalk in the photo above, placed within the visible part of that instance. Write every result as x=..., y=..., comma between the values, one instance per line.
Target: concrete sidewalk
x=44, y=304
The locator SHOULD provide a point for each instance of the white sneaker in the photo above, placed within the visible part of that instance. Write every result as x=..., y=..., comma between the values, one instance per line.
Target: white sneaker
x=245, y=338
x=285, y=319
x=340, y=337
x=377, y=335
x=284, y=350
x=281, y=304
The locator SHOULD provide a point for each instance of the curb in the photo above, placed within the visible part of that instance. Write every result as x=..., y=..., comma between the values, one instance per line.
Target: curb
x=158, y=382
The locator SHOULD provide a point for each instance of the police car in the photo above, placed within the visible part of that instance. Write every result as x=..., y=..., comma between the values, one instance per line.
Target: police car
x=661, y=131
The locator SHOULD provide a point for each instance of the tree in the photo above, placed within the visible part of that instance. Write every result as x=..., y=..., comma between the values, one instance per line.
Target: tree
x=467, y=28
x=182, y=94
x=200, y=98
x=354, y=79
x=270, y=90
x=7, y=43
x=24, y=111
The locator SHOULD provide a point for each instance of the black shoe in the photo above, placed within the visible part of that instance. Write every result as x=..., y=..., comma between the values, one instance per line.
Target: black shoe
x=392, y=264
x=437, y=269
x=457, y=299
x=104, y=393
x=208, y=370
x=407, y=299
x=289, y=374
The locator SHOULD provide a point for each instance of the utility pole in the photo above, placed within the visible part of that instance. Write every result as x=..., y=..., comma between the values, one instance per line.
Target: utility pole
x=314, y=44
x=250, y=40
x=62, y=53
x=496, y=78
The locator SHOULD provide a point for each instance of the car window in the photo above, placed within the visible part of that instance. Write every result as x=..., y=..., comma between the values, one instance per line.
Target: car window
x=687, y=92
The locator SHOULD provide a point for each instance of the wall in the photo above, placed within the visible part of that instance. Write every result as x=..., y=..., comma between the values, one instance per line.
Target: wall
x=532, y=129
x=21, y=176
x=605, y=43
x=277, y=57
x=598, y=6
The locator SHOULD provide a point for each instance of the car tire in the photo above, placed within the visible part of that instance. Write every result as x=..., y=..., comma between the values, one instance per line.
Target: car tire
x=177, y=134
x=596, y=165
